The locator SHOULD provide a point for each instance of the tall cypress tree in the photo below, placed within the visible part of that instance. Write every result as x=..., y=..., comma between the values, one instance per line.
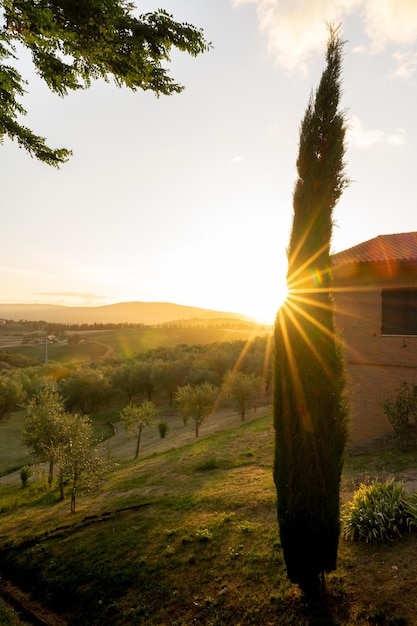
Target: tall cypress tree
x=310, y=411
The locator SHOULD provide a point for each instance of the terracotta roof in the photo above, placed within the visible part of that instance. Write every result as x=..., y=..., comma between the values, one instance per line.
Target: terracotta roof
x=399, y=247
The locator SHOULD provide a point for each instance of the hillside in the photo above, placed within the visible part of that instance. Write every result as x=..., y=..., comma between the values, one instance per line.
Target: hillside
x=123, y=312
x=187, y=534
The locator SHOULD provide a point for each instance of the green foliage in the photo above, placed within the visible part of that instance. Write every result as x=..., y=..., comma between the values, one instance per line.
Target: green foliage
x=196, y=402
x=131, y=377
x=242, y=389
x=85, y=389
x=163, y=428
x=310, y=410
x=79, y=461
x=63, y=439
x=379, y=511
x=400, y=411
x=43, y=431
x=208, y=464
x=8, y=616
x=73, y=43
x=25, y=474
x=12, y=394
x=203, y=535
x=136, y=418
x=117, y=571
x=411, y=509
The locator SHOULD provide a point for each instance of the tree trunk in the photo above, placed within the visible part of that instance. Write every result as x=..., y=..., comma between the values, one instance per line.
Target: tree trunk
x=61, y=486
x=138, y=443
x=73, y=494
x=50, y=473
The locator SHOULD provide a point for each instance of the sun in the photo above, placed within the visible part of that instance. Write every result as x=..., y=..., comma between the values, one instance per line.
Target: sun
x=265, y=307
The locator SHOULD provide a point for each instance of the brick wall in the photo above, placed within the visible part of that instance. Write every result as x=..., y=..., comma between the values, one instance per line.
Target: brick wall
x=376, y=365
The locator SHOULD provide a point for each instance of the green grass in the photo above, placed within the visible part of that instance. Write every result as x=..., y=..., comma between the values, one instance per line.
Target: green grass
x=13, y=453
x=203, y=549
x=62, y=353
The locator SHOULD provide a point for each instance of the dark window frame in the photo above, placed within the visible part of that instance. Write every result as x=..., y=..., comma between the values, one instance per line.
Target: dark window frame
x=399, y=311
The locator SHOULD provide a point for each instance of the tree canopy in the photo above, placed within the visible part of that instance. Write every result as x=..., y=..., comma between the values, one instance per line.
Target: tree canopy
x=72, y=43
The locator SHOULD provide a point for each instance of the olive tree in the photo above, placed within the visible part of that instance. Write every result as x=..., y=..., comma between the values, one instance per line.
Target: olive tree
x=242, y=389
x=136, y=418
x=43, y=430
x=79, y=459
x=196, y=402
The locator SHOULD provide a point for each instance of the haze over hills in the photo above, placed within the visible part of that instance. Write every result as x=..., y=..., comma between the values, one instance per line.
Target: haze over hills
x=124, y=312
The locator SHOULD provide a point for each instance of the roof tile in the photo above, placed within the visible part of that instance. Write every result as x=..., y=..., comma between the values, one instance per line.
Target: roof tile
x=397, y=247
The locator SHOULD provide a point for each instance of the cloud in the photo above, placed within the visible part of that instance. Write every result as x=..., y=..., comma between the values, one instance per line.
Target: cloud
x=390, y=22
x=361, y=137
x=295, y=29
x=406, y=64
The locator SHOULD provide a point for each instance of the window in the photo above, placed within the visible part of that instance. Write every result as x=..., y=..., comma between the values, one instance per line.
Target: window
x=399, y=311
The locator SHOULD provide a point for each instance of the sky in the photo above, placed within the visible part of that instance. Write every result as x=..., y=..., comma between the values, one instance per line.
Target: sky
x=188, y=198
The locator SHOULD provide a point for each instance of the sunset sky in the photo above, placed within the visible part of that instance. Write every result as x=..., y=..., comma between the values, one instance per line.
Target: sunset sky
x=188, y=198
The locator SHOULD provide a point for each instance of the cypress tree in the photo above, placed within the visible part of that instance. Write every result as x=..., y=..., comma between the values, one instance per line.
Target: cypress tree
x=310, y=412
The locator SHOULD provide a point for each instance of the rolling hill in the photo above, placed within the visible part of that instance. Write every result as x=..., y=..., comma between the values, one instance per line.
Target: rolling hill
x=123, y=312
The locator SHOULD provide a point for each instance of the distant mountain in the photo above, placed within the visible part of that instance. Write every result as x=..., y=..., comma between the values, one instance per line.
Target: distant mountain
x=124, y=312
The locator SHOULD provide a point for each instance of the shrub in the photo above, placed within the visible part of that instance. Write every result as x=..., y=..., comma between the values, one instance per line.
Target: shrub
x=378, y=512
x=399, y=411
x=163, y=429
x=208, y=464
x=203, y=535
x=411, y=510
x=25, y=474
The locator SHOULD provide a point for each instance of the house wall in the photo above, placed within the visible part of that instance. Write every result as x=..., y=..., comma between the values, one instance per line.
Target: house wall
x=376, y=365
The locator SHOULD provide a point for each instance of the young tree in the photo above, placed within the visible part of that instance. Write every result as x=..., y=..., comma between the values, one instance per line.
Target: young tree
x=43, y=430
x=242, y=389
x=310, y=410
x=78, y=458
x=73, y=42
x=136, y=418
x=196, y=402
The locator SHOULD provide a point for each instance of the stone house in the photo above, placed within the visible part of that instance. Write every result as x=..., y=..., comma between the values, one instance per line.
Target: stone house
x=375, y=293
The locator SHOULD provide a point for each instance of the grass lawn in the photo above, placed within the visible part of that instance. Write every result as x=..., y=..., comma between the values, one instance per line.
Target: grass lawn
x=13, y=453
x=188, y=535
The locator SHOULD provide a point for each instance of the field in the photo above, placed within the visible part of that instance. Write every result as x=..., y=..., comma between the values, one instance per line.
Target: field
x=187, y=535
x=126, y=342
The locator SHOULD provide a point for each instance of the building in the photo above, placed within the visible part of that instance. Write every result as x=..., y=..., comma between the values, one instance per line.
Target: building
x=375, y=288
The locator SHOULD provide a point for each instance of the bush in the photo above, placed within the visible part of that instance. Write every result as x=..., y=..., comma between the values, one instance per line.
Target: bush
x=163, y=429
x=411, y=510
x=378, y=512
x=25, y=474
x=399, y=411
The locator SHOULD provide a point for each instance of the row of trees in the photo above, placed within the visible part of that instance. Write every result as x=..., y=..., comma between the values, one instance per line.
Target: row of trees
x=156, y=374
x=64, y=440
